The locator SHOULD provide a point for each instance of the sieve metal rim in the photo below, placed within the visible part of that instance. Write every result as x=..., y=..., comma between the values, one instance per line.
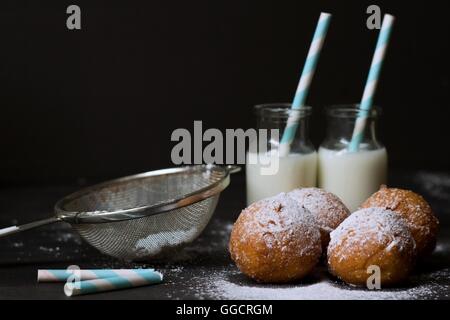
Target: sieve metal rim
x=148, y=210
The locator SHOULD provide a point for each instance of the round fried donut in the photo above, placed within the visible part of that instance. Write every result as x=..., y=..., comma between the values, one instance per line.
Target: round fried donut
x=275, y=240
x=327, y=208
x=372, y=237
x=421, y=221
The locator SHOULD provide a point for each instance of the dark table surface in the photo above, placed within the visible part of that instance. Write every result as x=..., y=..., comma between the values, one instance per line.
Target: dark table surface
x=203, y=270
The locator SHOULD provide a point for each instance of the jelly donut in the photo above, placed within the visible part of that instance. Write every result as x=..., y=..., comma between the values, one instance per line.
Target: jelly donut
x=275, y=240
x=327, y=208
x=421, y=221
x=372, y=237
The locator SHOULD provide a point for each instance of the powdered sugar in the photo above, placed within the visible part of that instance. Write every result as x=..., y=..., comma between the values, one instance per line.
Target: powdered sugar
x=164, y=240
x=222, y=286
x=325, y=206
x=372, y=225
x=413, y=208
x=279, y=213
x=280, y=222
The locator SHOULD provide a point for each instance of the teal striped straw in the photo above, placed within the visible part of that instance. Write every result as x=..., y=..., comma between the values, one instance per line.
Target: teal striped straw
x=62, y=275
x=124, y=281
x=305, y=81
x=371, y=83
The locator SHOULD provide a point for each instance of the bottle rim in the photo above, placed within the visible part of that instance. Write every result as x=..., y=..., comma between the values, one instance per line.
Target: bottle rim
x=281, y=110
x=351, y=111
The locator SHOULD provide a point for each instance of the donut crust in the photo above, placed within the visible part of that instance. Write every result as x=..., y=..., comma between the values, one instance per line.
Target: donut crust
x=274, y=240
x=372, y=237
x=326, y=207
x=418, y=214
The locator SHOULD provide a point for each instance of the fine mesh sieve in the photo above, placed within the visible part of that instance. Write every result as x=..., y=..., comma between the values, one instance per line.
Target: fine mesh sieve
x=145, y=215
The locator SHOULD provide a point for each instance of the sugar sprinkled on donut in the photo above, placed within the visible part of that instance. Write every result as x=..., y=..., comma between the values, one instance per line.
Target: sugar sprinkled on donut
x=275, y=240
x=328, y=210
x=414, y=209
x=372, y=236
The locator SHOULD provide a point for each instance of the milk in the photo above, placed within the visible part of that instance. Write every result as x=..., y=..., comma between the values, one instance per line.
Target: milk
x=294, y=171
x=353, y=177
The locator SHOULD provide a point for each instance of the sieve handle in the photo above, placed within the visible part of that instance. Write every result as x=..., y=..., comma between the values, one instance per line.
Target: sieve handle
x=15, y=229
x=233, y=169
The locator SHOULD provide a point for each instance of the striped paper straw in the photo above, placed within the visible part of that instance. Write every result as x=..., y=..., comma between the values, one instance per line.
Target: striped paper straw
x=129, y=279
x=371, y=83
x=61, y=275
x=305, y=81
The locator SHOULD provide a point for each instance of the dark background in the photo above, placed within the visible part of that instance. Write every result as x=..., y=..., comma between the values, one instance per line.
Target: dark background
x=103, y=101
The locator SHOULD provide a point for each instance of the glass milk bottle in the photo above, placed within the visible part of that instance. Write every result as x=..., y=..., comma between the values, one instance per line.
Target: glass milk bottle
x=352, y=176
x=294, y=170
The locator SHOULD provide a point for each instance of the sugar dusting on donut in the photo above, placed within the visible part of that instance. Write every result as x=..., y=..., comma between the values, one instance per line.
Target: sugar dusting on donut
x=277, y=218
x=327, y=207
x=375, y=224
x=419, y=211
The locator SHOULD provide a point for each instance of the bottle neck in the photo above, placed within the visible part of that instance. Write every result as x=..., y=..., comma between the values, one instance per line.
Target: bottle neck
x=302, y=132
x=341, y=124
x=277, y=118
